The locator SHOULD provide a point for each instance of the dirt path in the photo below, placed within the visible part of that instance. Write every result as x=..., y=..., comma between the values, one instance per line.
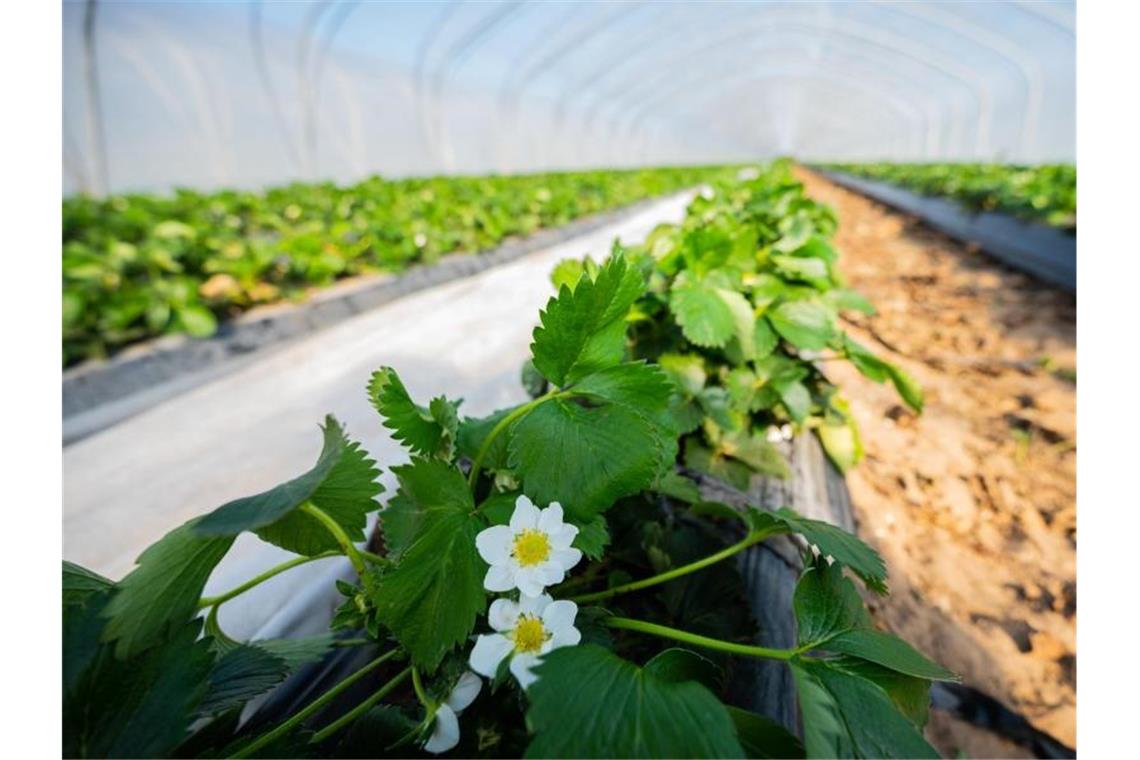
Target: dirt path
x=973, y=504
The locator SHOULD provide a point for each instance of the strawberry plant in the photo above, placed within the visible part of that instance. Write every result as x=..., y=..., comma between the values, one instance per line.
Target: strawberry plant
x=547, y=582
x=742, y=312
x=137, y=266
x=1044, y=193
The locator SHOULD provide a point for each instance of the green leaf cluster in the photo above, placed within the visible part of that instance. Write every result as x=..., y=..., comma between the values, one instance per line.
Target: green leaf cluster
x=869, y=697
x=607, y=427
x=140, y=265
x=1044, y=193
x=589, y=702
x=137, y=670
x=743, y=298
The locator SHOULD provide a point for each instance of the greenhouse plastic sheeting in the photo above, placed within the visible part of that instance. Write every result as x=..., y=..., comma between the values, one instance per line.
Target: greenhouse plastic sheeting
x=162, y=94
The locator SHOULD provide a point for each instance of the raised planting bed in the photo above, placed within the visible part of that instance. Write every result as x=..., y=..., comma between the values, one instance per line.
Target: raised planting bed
x=1046, y=252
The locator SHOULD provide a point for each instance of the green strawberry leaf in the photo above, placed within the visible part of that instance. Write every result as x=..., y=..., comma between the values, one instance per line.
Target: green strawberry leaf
x=678, y=665
x=911, y=695
x=888, y=651
x=238, y=676
x=845, y=715
x=593, y=538
x=584, y=456
x=80, y=584
x=711, y=313
x=430, y=432
x=840, y=436
x=878, y=370
x=141, y=705
x=907, y=387
x=431, y=598
x=162, y=593
x=843, y=299
x=588, y=702
x=583, y=330
x=762, y=737
x=342, y=484
x=842, y=546
x=826, y=604
x=805, y=324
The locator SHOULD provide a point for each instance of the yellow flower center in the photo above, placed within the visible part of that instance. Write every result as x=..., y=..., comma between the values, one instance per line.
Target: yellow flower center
x=529, y=635
x=532, y=547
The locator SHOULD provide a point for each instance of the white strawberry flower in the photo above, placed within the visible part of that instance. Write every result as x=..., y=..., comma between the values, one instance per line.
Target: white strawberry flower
x=445, y=732
x=530, y=553
x=525, y=630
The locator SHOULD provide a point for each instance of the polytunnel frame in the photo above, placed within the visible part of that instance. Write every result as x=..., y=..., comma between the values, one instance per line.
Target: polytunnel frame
x=424, y=107
x=435, y=129
x=505, y=120
x=798, y=74
x=644, y=106
x=956, y=120
x=1026, y=65
x=812, y=113
x=808, y=80
x=1025, y=62
x=805, y=30
x=977, y=87
x=855, y=33
x=513, y=87
x=469, y=41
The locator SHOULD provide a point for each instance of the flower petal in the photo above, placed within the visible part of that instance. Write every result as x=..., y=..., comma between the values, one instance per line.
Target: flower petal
x=550, y=573
x=528, y=581
x=534, y=605
x=490, y=649
x=566, y=558
x=494, y=544
x=466, y=689
x=558, y=616
x=499, y=578
x=504, y=615
x=521, y=665
x=567, y=637
x=550, y=519
x=445, y=732
x=525, y=515
x=563, y=536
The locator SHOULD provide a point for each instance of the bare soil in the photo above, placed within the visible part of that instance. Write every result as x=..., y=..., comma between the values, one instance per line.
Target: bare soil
x=973, y=503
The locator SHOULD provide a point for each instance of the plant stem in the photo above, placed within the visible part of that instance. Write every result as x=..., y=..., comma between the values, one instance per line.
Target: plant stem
x=373, y=557
x=500, y=426
x=701, y=641
x=677, y=572
x=208, y=601
x=287, y=726
x=421, y=695
x=361, y=708
x=333, y=527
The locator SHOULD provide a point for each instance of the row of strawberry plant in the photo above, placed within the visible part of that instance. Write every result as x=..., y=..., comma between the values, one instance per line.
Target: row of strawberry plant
x=1043, y=193
x=742, y=310
x=138, y=266
x=548, y=582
